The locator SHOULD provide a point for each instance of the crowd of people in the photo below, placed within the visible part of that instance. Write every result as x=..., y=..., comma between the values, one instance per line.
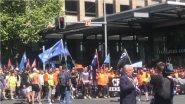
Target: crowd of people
x=160, y=82
x=56, y=84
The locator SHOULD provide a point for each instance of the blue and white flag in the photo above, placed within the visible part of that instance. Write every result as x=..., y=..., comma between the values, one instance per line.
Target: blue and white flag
x=23, y=62
x=55, y=50
x=137, y=64
x=107, y=59
x=95, y=61
x=66, y=52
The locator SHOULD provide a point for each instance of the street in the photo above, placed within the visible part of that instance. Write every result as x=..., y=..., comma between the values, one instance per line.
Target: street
x=180, y=99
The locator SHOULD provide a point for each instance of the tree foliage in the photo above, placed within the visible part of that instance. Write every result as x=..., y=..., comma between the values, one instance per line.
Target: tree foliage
x=23, y=21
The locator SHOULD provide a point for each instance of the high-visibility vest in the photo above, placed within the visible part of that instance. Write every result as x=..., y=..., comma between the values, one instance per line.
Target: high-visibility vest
x=12, y=81
x=50, y=80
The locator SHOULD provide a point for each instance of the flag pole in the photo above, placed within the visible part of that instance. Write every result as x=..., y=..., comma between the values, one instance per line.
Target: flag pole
x=109, y=61
x=72, y=60
x=97, y=59
x=128, y=56
x=44, y=65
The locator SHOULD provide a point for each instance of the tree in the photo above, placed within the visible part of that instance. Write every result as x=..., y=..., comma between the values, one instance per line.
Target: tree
x=25, y=21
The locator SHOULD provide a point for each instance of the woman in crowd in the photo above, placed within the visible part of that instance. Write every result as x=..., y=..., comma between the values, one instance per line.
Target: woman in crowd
x=85, y=79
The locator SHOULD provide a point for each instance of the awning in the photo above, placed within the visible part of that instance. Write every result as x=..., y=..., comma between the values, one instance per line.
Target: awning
x=135, y=21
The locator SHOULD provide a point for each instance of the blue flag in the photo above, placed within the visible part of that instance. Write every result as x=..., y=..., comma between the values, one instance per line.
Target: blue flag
x=55, y=50
x=107, y=59
x=66, y=52
x=23, y=62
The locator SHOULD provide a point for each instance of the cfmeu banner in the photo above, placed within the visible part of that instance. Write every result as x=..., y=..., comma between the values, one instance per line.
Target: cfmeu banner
x=114, y=84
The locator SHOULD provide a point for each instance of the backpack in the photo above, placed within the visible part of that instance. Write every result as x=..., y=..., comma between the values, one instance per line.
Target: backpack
x=165, y=92
x=62, y=79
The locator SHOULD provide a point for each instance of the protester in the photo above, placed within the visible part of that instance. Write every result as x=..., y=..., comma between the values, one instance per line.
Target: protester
x=12, y=84
x=46, y=85
x=102, y=81
x=162, y=86
x=127, y=86
x=25, y=84
x=41, y=84
x=51, y=87
x=2, y=84
x=86, y=83
x=64, y=85
x=74, y=82
x=57, y=90
x=34, y=79
x=18, y=83
x=145, y=84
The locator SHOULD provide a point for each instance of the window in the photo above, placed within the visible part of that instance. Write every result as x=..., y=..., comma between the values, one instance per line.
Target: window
x=71, y=7
x=90, y=9
x=124, y=7
x=109, y=8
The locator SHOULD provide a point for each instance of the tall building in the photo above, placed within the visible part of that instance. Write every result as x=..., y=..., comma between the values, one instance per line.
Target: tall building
x=145, y=38
x=79, y=10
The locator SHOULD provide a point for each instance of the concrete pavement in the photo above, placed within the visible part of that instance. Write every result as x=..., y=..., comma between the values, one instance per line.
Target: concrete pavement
x=179, y=99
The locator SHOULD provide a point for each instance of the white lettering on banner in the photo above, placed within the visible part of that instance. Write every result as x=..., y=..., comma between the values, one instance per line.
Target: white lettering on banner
x=171, y=51
x=115, y=82
x=114, y=88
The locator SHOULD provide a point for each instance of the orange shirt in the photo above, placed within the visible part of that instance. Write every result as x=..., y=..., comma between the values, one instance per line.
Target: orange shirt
x=139, y=78
x=102, y=79
x=55, y=76
x=45, y=77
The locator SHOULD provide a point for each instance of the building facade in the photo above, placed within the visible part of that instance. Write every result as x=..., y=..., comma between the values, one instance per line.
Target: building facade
x=148, y=47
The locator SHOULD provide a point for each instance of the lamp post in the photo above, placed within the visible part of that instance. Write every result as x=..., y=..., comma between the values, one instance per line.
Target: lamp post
x=105, y=27
x=44, y=65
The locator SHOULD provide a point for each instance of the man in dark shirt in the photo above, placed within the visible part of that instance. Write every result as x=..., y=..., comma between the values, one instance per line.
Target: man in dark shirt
x=64, y=85
x=25, y=84
x=162, y=95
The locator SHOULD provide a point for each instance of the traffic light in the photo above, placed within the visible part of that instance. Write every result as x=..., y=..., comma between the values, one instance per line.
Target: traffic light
x=60, y=23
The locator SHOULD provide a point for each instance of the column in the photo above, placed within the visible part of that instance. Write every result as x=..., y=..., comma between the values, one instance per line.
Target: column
x=84, y=43
x=147, y=2
x=81, y=10
x=133, y=4
x=99, y=8
x=116, y=6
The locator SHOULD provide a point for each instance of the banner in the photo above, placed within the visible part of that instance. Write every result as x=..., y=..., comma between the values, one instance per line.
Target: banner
x=137, y=64
x=114, y=85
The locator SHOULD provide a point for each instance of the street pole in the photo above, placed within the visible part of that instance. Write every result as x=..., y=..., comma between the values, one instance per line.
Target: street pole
x=43, y=49
x=105, y=27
